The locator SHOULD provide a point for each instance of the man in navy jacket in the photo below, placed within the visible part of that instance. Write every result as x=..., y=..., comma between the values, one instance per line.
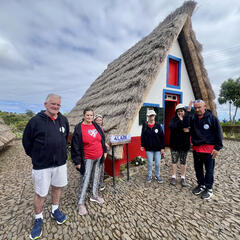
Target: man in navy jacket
x=206, y=136
x=45, y=141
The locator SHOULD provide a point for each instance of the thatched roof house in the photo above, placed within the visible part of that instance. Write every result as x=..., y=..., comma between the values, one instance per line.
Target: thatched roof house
x=120, y=91
x=6, y=135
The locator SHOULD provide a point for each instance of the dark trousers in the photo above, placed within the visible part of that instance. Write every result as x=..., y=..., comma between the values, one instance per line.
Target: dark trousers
x=205, y=159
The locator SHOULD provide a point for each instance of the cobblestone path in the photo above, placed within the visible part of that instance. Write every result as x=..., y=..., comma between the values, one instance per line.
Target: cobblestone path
x=133, y=210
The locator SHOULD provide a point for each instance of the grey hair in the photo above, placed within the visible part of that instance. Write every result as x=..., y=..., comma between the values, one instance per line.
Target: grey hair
x=52, y=95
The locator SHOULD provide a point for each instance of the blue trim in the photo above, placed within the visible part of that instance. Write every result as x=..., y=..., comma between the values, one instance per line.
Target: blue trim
x=179, y=71
x=173, y=92
x=151, y=105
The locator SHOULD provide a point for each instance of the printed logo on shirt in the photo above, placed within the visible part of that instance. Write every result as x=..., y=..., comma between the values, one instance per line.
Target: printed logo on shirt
x=156, y=130
x=92, y=132
x=206, y=126
x=62, y=129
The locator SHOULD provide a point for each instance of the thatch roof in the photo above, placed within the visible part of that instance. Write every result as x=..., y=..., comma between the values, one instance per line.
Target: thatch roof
x=6, y=135
x=119, y=92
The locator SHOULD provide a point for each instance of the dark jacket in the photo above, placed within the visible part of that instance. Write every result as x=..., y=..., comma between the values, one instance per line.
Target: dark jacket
x=206, y=130
x=179, y=140
x=45, y=140
x=152, y=139
x=77, y=147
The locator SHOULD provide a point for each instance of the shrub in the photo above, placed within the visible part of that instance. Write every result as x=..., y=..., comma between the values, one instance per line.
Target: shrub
x=137, y=161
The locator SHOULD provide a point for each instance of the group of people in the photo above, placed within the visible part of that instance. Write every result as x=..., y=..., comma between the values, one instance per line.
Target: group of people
x=45, y=140
x=202, y=129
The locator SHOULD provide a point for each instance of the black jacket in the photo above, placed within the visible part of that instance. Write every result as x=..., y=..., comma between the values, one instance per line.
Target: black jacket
x=179, y=140
x=152, y=139
x=45, y=140
x=77, y=147
x=206, y=130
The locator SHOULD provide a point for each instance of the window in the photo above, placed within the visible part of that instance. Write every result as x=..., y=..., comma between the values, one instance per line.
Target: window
x=173, y=72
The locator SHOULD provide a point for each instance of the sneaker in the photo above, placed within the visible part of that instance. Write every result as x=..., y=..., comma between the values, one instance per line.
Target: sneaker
x=183, y=182
x=82, y=209
x=102, y=187
x=37, y=229
x=198, y=190
x=159, y=180
x=207, y=194
x=173, y=181
x=149, y=179
x=59, y=216
x=97, y=199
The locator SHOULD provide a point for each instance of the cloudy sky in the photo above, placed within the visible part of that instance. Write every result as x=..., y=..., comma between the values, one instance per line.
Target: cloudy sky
x=62, y=46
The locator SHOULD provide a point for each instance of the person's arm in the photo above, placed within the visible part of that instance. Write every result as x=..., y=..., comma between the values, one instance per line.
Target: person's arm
x=162, y=145
x=76, y=147
x=142, y=137
x=67, y=130
x=27, y=139
x=218, y=135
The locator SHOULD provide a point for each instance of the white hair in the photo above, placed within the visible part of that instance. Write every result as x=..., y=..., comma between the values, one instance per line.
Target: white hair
x=52, y=95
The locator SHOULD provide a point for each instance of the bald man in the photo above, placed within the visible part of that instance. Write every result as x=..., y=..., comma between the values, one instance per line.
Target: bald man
x=206, y=136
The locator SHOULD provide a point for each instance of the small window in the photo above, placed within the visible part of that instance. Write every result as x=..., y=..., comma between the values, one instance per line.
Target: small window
x=173, y=72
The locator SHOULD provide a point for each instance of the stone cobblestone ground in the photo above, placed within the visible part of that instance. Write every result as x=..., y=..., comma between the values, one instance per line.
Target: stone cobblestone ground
x=132, y=210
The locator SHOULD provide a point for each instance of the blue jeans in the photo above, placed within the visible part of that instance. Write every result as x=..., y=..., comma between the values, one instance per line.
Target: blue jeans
x=200, y=160
x=157, y=157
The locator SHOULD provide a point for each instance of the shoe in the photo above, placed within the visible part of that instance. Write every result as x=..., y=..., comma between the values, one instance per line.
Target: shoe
x=173, y=181
x=149, y=179
x=37, y=229
x=159, y=180
x=97, y=199
x=207, y=194
x=183, y=182
x=102, y=187
x=59, y=216
x=82, y=209
x=198, y=190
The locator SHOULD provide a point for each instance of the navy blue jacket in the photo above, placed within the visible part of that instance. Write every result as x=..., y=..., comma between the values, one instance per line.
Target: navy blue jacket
x=179, y=140
x=206, y=130
x=45, y=140
x=77, y=147
x=152, y=139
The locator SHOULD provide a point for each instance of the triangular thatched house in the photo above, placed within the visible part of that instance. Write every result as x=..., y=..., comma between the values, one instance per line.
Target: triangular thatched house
x=6, y=136
x=163, y=69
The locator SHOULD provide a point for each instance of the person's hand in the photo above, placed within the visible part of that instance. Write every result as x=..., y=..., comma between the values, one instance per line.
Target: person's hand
x=214, y=153
x=186, y=129
x=78, y=166
x=162, y=152
x=107, y=146
x=142, y=149
x=190, y=106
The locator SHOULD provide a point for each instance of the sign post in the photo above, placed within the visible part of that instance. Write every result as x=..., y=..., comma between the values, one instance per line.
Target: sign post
x=119, y=140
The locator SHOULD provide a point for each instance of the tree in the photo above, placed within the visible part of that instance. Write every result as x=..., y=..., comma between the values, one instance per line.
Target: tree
x=230, y=92
x=30, y=113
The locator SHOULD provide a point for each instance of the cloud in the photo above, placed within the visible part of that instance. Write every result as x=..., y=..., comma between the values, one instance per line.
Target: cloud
x=63, y=46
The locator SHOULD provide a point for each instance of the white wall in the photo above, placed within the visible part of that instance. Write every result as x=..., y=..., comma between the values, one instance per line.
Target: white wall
x=155, y=94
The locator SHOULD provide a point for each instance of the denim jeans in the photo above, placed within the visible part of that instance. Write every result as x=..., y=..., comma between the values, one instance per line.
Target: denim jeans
x=157, y=158
x=206, y=159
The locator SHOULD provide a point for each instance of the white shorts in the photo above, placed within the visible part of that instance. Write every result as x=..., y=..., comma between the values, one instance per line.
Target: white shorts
x=43, y=178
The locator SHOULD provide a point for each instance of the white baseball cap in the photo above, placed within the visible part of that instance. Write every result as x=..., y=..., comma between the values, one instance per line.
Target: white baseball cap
x=179, y=106
x=151, y=112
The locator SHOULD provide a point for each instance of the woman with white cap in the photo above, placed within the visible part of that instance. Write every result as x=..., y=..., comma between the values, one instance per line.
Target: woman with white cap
x=152, y=140
x=179, y=143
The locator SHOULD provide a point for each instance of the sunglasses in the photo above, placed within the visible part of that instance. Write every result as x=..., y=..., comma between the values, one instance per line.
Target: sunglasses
x=197, y=101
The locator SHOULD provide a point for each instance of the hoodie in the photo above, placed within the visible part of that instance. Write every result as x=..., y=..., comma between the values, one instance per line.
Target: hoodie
x=206, y=130
x=45, y=140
